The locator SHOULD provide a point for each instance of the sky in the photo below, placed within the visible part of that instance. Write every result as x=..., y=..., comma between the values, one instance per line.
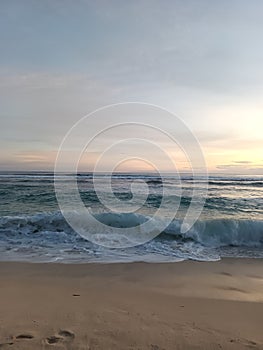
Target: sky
x=201, y=60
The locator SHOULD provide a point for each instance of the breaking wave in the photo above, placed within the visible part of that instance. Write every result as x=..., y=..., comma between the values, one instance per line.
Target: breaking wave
x=212, y=233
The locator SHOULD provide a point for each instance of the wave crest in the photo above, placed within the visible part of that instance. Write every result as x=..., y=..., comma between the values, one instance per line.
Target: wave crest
x=209, y=233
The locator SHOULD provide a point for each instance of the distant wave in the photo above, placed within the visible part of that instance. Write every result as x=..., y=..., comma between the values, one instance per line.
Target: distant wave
x=155, y=182
x=237, y=183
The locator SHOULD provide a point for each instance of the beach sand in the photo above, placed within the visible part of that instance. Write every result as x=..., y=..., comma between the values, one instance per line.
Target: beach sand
x=188, y=305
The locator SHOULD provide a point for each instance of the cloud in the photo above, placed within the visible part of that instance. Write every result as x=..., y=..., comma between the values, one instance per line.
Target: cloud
x=243, y=162
x=228, y=166
x=242, y=168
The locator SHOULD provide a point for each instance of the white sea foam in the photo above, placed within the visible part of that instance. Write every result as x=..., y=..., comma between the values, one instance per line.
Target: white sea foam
x=211, y=233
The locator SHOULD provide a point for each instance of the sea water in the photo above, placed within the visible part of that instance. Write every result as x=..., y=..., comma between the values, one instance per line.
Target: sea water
x=33, y=229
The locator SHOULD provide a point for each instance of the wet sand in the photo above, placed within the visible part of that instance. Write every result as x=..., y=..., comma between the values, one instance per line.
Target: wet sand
x=188, y=305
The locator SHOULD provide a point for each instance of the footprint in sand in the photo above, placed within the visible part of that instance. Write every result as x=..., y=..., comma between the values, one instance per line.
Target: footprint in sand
x=53, y=339
x=25, y=336
x=225, y=274
x=22, y=336
x=246, y=342
x=233, y=289
x=62, y=336
x=3, y=345
x=155, y=347
x=66, y=334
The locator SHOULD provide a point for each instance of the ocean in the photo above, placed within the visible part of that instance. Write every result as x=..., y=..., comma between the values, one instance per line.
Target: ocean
x=32, y=227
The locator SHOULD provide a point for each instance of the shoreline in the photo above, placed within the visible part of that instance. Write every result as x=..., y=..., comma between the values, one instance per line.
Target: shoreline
x=162, y=306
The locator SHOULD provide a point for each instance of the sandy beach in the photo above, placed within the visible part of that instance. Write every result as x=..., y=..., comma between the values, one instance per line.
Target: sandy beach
x=188, y=305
